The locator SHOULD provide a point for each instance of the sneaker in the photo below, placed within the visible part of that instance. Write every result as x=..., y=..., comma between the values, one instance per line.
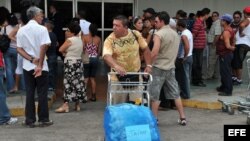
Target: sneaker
x=182, y=121
x=12, y=121
x=45, y=123
x=237, y=82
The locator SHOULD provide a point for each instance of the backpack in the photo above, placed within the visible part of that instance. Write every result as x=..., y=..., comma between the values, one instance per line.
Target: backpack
x=4, y=42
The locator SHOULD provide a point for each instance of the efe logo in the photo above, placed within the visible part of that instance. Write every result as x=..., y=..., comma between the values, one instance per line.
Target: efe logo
x=236, y=132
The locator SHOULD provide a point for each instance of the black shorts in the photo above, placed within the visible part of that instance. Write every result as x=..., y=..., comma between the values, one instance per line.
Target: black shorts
x=91, y=68
x=240, y=53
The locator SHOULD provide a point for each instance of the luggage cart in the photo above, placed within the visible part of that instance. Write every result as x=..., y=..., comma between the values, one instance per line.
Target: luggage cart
x=231, y=106
x=241, y=104
x=142, y=87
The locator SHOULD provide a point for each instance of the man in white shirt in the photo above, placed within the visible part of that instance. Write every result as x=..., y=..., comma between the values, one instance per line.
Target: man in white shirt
x=32, y=43
x=84, y=24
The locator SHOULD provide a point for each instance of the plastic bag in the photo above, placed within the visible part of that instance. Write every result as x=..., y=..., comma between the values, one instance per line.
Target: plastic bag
x=128, y=122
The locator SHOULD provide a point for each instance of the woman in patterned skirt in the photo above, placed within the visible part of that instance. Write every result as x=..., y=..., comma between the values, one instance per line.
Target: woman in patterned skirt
x=75, y=89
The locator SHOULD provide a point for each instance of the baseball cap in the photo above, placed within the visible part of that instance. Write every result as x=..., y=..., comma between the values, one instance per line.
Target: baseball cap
x=149, y=10
x=227, y=17
x=247, y=10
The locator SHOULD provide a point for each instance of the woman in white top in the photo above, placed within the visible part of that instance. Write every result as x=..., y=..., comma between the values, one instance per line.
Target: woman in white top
x=74, y=86
x=22, y=20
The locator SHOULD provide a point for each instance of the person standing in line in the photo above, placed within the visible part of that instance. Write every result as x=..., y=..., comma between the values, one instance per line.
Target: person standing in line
x=84, y=24
x=57, y=18
x=163, y=55
x=213, y=36
x=242, y=45
x=93, y=47
x=10, y=56
x=184, y=59
x=199, y=36
x=224, y=48
x=32, y=43
x=235, y=26
x=19, y=69
x=74, y=86
x=51, y=54
x=5, y=117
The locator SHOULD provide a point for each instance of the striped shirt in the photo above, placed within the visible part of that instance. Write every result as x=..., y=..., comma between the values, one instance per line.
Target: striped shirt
x=199, y=34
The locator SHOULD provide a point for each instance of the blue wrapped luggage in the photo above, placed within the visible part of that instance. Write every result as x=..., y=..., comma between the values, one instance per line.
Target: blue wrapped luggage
x=128, y=122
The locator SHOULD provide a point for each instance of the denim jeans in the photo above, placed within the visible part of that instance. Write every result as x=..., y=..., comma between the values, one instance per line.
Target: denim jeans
x=10, y=59
x=4, y=111
x=187, y=66
x=52, y=64
x=182, y=74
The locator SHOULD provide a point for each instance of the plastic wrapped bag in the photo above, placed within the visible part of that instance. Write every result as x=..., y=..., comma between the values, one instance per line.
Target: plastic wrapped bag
x=128, y=122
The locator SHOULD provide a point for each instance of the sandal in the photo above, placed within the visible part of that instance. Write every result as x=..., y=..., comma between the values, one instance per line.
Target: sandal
x=182, y=121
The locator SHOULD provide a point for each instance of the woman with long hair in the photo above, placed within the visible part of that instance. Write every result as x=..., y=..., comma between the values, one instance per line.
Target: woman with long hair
x=92, y=47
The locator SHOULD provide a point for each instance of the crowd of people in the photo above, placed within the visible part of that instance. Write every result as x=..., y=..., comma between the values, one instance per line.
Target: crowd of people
x=171, y=49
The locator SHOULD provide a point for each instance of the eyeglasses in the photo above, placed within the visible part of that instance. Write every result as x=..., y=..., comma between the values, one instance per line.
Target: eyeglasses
x=214, y=16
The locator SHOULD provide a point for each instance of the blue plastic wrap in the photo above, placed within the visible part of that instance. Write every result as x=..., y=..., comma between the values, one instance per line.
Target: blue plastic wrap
x=128, y=122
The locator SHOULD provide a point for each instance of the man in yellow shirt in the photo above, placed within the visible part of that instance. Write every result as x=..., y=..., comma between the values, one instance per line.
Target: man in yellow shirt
x=121, y=48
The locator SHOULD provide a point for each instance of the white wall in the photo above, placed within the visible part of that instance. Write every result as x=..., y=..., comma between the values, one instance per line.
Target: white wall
x=5, y=3
x=171, y=6
x=2, y=3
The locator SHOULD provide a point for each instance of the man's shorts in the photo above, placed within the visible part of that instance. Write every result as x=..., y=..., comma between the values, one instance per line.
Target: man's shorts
x=239, y=55
x=165, y=79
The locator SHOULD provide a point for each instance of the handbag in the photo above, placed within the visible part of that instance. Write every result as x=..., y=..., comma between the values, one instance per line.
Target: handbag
x=85, y=57
x=4, y=42
x=128, y=78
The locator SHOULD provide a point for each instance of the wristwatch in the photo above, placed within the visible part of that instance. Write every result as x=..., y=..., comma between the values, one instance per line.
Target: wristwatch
x=31, y=60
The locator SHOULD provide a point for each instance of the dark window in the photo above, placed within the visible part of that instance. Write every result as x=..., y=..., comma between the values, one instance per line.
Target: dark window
x=93, y=12
x=113, y=9
x=107, y=33
x=65, y=9
x=18, y=5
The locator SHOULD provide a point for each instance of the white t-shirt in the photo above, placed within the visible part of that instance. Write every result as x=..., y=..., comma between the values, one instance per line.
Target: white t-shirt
x=189, y=35
x=31, y=37
x=84, y=26
x=245, y=39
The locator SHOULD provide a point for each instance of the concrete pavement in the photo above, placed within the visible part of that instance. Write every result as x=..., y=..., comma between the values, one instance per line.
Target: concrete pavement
x=87, y=125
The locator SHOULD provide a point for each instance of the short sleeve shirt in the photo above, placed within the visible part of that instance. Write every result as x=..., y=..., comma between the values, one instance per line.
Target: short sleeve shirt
x=125, y=50
x=214, y=30
x=31, y=37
